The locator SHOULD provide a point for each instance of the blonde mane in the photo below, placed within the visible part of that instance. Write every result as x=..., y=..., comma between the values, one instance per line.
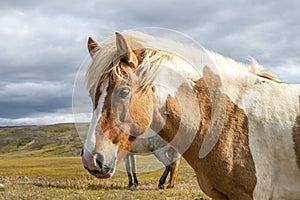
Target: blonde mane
x=106, y=58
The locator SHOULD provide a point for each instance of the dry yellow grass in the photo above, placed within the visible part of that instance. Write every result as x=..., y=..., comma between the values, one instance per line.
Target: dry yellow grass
x=65, y=178
x=43, y=162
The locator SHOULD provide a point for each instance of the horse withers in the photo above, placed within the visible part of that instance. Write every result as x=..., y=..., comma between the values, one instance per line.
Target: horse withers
x=237, y=125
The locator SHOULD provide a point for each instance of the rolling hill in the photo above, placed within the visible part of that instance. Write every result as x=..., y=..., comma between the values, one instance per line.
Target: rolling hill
x=50, y=140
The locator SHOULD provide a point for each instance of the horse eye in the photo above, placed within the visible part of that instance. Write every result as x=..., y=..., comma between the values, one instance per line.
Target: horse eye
x=124, y=92
x=126, y=76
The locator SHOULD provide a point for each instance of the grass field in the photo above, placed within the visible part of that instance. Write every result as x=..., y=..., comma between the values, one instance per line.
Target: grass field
x=43, y=162
x=64, y=178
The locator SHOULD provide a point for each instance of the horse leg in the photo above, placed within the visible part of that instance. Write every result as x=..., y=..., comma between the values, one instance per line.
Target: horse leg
x=173, y=173
x=166, y=156
x=174, y=158
x=162, y=157
x=133, y=169
x=128, y=170
x=163, y=178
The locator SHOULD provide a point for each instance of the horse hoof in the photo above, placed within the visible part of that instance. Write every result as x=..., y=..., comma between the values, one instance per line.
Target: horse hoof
x=130, y=185
x=133, y=185
x=161, y=187
x=170, y=186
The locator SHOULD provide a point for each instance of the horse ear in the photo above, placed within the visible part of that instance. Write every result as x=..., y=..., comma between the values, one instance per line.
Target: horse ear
x=125, y=51
x=92, y=46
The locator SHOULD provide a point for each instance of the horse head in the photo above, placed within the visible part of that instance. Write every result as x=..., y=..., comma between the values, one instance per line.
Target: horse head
x=123, y=108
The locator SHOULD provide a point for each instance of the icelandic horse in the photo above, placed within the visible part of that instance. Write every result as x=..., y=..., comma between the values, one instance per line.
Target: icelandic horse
x=236, y=124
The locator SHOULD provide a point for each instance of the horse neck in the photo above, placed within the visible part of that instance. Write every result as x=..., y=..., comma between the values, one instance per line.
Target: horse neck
x=177, y=121
x=185, y=118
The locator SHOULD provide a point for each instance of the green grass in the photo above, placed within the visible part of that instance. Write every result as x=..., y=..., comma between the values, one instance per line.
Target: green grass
x=65, y=178
x=50, y=168
x=51, y=140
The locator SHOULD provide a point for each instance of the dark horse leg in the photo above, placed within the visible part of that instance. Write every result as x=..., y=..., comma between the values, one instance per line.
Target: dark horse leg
x=162, y=156
x=173, y=170
x=133, y=169
x=163, y=178
x=171, y=159
x=128, y=170
x=130, y=160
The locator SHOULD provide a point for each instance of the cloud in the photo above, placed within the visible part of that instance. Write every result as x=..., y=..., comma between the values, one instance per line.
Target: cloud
x=38, y=119
x=22, y=99
x=43, y=43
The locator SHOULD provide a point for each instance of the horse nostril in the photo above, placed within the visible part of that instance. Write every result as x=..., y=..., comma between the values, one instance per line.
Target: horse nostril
x=100, y=164
x=99, y=159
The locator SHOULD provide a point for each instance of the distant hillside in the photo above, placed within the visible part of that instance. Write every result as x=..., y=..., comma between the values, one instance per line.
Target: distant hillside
x=50, y=140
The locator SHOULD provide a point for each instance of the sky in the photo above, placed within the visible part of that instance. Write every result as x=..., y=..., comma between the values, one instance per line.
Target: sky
x=43, y=43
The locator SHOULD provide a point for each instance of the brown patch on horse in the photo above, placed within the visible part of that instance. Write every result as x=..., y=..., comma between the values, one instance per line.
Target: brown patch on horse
x=138, y=109
x=231, y=160
x=108, y=126
x=122, y=120
x=123, y=69
x=296, y=138
x=228, y=171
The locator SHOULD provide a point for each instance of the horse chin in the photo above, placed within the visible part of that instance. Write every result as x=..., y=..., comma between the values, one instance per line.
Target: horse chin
x=102, y=175
x=103, y=172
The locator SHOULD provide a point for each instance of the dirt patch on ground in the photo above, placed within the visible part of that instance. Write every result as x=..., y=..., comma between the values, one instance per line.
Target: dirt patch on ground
x=26, y=146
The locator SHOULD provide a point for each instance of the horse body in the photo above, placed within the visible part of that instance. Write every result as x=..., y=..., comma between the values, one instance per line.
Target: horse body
x=238, y=126
x=271, y=109
x=162, y=151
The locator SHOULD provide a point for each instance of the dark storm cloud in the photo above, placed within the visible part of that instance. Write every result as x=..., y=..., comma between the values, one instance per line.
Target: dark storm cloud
x=21, y=99
x=43, y=43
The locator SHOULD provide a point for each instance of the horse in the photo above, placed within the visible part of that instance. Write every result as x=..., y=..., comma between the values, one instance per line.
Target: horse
x=237, y=125
x=162, y=151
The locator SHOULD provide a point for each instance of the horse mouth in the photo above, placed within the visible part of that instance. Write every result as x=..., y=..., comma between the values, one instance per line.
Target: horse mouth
x=103, y=174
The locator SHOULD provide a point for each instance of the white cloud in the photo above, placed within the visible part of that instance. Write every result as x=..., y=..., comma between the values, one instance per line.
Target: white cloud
x=43, y=43
x=40, y=119
x=288, y=74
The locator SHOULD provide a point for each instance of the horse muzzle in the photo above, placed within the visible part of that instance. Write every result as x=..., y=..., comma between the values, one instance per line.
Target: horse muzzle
x=93, y=163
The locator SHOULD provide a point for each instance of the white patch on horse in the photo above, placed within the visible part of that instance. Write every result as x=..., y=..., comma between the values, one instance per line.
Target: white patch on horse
x=271, y=109
x=91, y=140
x=170, y=78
